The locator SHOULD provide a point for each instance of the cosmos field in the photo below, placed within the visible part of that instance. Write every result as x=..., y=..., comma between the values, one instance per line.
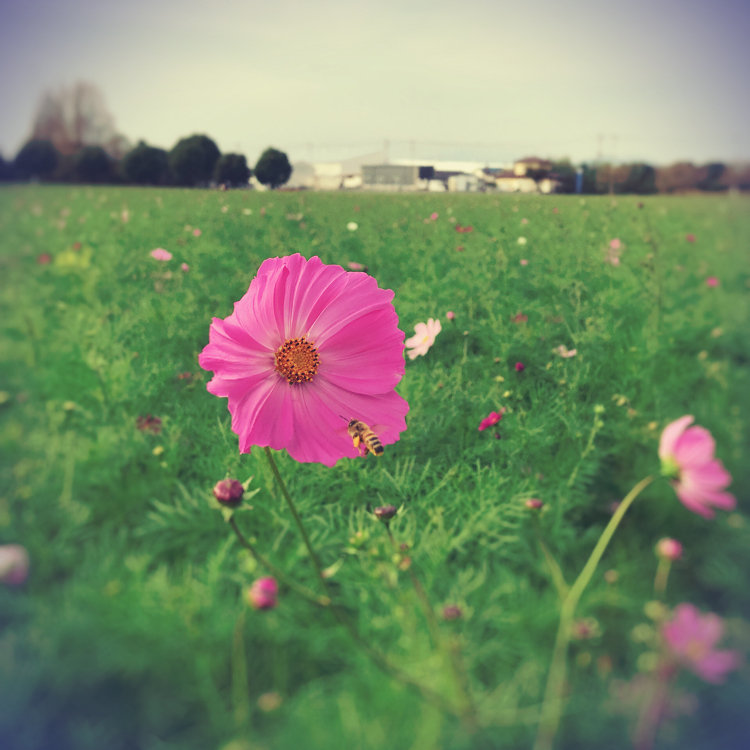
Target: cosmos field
x=587, y=325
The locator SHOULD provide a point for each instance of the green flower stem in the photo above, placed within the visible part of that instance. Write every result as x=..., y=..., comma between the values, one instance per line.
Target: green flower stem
x=662, y=576
x=303, y=591
x=378, y=658
x=451, y=652
x=553, y=694
x=552, y=565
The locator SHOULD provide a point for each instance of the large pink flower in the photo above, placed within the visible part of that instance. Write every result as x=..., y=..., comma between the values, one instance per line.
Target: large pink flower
x=691, y=639
x=687, y=455
x=308, y=348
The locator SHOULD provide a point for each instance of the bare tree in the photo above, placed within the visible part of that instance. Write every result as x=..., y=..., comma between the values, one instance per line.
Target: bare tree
x=77, y=116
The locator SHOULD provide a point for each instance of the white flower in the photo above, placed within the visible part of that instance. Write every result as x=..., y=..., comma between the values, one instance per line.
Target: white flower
x=564, y=352
x=423, y=339
x=352, y=226
x=521, y=240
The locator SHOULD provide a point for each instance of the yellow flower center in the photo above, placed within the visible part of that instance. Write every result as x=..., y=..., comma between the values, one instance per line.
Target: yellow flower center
x=297, y=360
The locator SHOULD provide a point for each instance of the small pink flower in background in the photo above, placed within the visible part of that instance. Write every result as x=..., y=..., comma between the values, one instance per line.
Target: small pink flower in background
x=520, y=366
x=161, y=254
x=460, y=249
x=524, y=262
x=148, y=423
x=491, y=419
x=434, y=216
x=520, y=318
x=452, y=612
x=669, y=549
x=184, y=267
x=419, y=344
x=14, y=564
x=615, y=244
x=687, y=458
x=352, y=266
x=690, y=237
x=564, y=352
x=44, y=259
x=524, y=221
x=691, y=637
x=263, y=594
x=197, y=232
x=534, y=503
x=77, y=246
x=450, y=315
x=308, y=344
x=712, y=281
x=555, y=210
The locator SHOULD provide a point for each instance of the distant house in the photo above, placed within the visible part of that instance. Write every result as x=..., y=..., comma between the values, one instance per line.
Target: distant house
x=531, y=164
x=463, y=183
x=390, y=177
x=510, y=182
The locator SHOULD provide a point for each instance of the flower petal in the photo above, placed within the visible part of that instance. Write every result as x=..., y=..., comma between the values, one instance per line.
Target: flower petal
x=671, y=433
x=694, y=447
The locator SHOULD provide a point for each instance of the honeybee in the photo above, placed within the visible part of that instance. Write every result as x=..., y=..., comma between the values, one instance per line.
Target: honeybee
x=360, y=433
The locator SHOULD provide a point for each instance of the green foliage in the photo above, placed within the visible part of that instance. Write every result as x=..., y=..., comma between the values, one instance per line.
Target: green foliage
x=192, y=161
x=37, y=159
x=133, y=632
x=145, y=165
x=273, y=168
x=232, y=171
x=92, y=164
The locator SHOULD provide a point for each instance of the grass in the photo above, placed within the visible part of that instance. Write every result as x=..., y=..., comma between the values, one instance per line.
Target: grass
x=133, y=631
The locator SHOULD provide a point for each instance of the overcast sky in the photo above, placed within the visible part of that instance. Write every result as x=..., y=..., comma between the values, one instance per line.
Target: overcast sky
x=659, y=80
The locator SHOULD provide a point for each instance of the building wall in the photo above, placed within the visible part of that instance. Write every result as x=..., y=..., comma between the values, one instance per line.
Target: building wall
x=390, y=176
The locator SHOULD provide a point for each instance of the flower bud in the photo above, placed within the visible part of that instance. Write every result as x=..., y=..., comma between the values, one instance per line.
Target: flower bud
x=14, y=564
x=385, y=512
x=452, y=612
x=669, y=549
x=229, y=492
x=534, y=503
x=263, y=593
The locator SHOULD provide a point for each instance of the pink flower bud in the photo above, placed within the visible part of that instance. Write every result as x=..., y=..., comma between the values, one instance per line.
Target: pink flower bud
x=450, y=315
x=669, y=549
x=534, y=503
x=452, y=612
x=229, y=492
x=14, y=564
x=385, y=512
x=263, y=593
x=520, y=366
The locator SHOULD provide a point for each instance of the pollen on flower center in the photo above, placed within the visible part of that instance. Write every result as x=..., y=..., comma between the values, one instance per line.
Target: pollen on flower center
x=297, y=360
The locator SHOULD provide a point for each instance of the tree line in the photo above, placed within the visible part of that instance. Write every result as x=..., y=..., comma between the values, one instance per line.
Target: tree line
x=194, y=161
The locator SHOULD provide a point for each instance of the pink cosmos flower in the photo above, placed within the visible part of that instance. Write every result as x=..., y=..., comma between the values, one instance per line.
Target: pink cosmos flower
x=669, y=549
x=424, y=337
x=712, y=281
x=161, y=254
x=14, y=564
x=687, y=457
x=263, y=593
x=520, y=318
x=354, y=266
x=690, y=237
x=450, y=315
x=524, y=262
x=690, y=638
x=184, y=267
x=615, y=244
x=44, y=259
x=524, y=221
x=520, y=366
x=309, y=347
x=534, y=503
x=434, y=216
x=197, y=232
x=491, y=419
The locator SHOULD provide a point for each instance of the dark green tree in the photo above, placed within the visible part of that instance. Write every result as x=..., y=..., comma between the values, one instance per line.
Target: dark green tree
x=565, y=172
x=6, y=169
x=145, y=165
x=641, y=179
x=232, y=170
x=713, y=174
x=192, y=161
x=92, y=164
x=37, y=159
x=273, y=168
